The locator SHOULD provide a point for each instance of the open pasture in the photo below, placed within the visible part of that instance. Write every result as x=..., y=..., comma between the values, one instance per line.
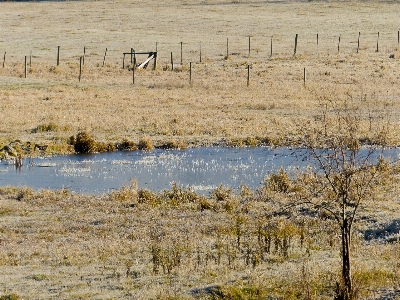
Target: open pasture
x=217, y=105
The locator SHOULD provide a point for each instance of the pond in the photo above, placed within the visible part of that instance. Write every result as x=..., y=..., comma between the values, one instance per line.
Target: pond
x=201, y=169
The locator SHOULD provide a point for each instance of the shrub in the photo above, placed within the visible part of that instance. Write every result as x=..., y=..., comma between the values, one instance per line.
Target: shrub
x=106, y=147
x=84, y=143
x=127, y=145
x=179, y=196
x=279, y=182
x=147, y=197
x=222, y=194
x=173, y=144
x=126, y=193
x=25, y=194
x=145, y=144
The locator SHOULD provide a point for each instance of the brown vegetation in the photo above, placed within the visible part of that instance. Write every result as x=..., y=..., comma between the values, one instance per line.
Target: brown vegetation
x=218, y=107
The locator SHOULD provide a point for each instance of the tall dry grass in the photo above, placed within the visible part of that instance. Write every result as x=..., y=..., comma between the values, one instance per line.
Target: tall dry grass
x=176, y=244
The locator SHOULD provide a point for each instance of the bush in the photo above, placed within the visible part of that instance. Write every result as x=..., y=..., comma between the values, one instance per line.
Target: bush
x=279, y=182
x=126, y=193
x=25, y=194
x=145, y=144
x=173, y=144
x=179, y=196
x=106, y=147
x=147, y=197
x=127, y=145
x=84, y=143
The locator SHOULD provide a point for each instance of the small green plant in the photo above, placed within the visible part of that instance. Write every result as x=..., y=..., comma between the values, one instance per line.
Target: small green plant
x=237, y=292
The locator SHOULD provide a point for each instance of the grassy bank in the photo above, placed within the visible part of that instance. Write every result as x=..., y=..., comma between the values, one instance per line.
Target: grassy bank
x=179, y=245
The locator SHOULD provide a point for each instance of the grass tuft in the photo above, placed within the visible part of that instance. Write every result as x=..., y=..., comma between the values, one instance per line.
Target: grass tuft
x=145, y=143
x=10, y=297
x=126, y=145
x=84, y=143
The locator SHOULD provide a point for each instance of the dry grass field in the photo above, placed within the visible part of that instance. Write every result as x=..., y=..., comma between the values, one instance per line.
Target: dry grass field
x=218, y=106
x=134, y=244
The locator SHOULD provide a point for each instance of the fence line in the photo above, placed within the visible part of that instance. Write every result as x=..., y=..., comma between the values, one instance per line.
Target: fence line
x=258, y=47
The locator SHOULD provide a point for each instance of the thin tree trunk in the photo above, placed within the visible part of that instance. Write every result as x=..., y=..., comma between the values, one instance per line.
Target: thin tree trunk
x=346, y=267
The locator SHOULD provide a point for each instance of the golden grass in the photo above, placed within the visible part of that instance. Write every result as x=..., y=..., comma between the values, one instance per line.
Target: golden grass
x=217, y=106
x=170, y=245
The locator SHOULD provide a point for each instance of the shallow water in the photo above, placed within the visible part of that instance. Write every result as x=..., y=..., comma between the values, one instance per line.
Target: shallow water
x=202, y=169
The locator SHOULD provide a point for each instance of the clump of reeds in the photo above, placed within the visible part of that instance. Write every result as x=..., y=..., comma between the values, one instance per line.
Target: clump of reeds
x=174, y=144
x=128, y=193
x=127, y=145
x=84, y=143
x=145, y=143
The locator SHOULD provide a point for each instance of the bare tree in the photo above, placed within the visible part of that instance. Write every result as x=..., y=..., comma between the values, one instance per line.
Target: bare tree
x=343, y=173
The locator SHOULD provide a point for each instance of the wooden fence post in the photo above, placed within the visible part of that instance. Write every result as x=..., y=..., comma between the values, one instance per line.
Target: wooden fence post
x=4, y=59
x=338, y=45
x=123, y=62
x=200, y=51
x=249, y=45
x=133, y=70
x=377, y=43
x=172, y=63
x=248, y=75
x=317, y=40
x=84, y=54
x=25, y=67
x=182, y=53
x=104, y=59
x=58, y=55
x=80, y=67
x=190, y=73
x=270, y=55
x=398, y=38
x=295, y=44
x=131, y=56
x=358, y=42
x=304, y=76
x=155, y=61
x=227, y=48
